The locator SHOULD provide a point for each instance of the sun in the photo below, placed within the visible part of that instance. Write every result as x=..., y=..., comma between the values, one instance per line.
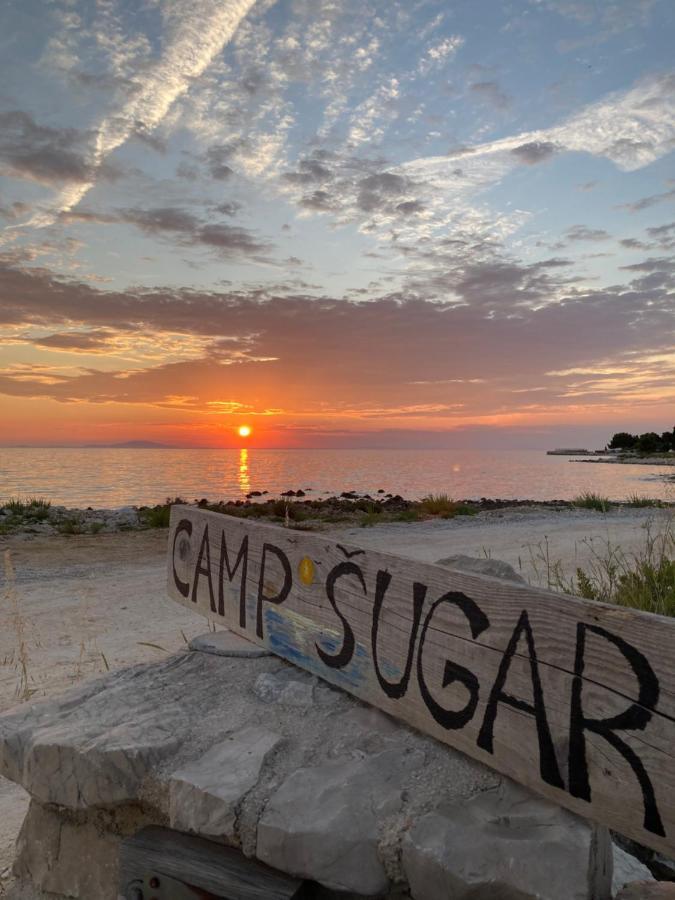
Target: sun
x=244, y=430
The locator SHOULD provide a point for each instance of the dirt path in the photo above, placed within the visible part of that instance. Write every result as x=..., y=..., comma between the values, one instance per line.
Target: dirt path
x=72, y=607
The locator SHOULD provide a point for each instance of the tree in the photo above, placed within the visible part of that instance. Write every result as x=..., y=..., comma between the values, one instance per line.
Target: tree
x=649, y=442
x=623, y=441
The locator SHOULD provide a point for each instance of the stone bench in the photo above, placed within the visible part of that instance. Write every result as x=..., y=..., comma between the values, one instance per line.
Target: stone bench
x=249, y=752
x=293, y=781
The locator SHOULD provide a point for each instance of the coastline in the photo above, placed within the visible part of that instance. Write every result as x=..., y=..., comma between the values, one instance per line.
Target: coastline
x=629, y=461
x=292, y=508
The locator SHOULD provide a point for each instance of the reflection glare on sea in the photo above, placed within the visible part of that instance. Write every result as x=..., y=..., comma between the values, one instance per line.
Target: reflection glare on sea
x=244, y=482
x=119, y=477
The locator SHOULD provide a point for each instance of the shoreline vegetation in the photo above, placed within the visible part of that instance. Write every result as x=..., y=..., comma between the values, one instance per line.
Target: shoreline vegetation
x=643, y=579
x=292, y=508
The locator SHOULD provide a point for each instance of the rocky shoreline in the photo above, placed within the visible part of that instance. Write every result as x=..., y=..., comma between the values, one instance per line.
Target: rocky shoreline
x=630, y=460
x=39, y=517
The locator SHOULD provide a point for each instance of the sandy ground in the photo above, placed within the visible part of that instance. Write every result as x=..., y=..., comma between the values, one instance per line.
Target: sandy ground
x=72, y=607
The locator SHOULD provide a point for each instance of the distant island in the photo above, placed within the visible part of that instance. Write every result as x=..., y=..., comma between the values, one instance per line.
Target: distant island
x=132, y=445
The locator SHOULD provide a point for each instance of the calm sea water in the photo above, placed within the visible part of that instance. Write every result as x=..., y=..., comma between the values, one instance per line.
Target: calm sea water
x=119, y=477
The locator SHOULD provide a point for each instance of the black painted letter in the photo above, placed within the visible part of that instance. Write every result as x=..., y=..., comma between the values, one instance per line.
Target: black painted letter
x=242, y=557
x=634, y=718
x=343, y=656
x=398, y=688
x=478, y=622
x=204, y=570
x=284, y=590
x=548, y=764
x=182, y=586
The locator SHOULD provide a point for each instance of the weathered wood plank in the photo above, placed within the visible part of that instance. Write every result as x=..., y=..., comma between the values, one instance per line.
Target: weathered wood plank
x=572, y=698
x=222, y=871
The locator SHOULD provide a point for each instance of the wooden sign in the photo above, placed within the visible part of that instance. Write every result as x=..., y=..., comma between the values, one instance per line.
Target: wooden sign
x=573, y=698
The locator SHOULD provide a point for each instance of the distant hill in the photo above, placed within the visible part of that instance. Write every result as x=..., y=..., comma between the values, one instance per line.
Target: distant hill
x=134, y=445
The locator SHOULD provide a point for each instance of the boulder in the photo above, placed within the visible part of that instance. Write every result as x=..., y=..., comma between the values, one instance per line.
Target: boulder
x=480, y=565
x=283, y=688
x=322, y=823
x=204, y=795
x=648, y=890
x=509, y=844
x=627, y=869
x=66, y=858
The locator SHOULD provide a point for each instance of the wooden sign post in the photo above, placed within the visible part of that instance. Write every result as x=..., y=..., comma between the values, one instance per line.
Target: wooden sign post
x=572, y=698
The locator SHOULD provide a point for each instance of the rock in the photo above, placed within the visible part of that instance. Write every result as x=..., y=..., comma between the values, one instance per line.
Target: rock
x=662, y=866
x=65, y=858
x=279, y=688
x=227, y=643
x=95, y=744
x=648, y=890
x=322, y=823
x=203, y=796
x=627, y=869
x=505, y=843
x=478, y=565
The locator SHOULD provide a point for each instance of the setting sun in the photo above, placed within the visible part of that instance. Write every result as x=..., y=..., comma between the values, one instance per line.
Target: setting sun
x=244, y=431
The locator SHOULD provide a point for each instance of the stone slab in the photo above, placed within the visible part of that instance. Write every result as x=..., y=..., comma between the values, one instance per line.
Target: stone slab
x=506, y=843
x=326, y=791
x=323, y=822
x=226, y=643
x=204, y=795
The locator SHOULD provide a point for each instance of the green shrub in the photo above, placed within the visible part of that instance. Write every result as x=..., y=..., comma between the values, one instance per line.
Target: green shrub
x=437, y=504
x=645, y=580
x=69, y=526
x=591, y=500
x=156, y=516
x=460, y=509
x=641, y=501
x=408, y=515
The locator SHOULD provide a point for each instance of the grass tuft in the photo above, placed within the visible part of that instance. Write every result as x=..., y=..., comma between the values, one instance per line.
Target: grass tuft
x=444, y=506
x=437, y=504
x=591, y=500
x=639, y=500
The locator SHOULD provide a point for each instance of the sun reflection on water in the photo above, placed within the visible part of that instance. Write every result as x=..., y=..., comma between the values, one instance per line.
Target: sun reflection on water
x=244, y=477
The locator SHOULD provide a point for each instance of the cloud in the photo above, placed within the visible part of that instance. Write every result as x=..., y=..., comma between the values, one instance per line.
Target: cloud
x=41, y=153
x=184, y=227
x=490, y=92
x=74, y=341
x=583, y=233
x=439, y=53
x=534, y=152
x=257, y=344
x=195, y=32
x=648, y=202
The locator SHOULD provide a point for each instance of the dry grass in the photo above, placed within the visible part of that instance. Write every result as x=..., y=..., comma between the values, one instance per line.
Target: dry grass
x=642, y=580
x=20, y=659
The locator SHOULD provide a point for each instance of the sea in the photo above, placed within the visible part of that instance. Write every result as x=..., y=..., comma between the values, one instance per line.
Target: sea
x=111, y=478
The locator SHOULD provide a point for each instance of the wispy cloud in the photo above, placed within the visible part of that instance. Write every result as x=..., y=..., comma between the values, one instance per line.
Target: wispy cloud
x=196, y=31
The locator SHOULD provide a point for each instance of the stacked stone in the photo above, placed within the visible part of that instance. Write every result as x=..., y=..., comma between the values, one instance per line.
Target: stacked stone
x=237, y=746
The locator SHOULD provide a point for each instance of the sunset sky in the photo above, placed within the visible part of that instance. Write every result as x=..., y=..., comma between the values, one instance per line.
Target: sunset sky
x=340, y=222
